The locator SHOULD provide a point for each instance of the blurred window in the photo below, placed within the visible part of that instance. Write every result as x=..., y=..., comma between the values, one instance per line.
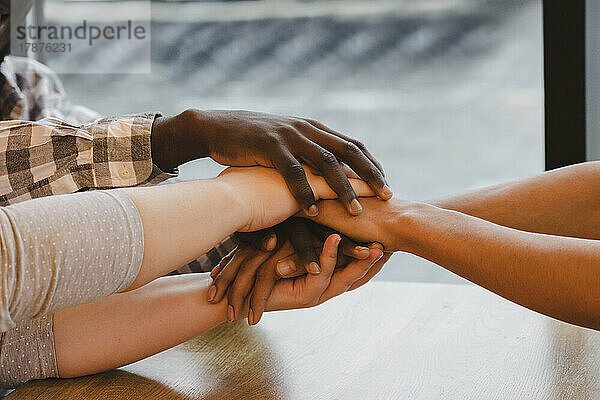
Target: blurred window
x=446, y=94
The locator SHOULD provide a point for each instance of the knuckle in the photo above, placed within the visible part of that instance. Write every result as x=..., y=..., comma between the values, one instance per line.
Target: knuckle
x=351, y=149
x=360, y=145
x=296, y=171
x=271, y=141
x=301, y=125
x=262, y=274
x=288, y=130
x=328, y=158
x=374, y=174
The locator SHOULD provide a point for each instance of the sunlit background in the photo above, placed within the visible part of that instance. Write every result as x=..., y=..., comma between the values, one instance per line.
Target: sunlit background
x=446, y=94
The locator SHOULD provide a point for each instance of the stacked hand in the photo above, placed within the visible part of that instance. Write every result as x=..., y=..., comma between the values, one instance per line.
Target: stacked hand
x=249, y=274
x=245, y=138
x=272, y=293
x=342, y=168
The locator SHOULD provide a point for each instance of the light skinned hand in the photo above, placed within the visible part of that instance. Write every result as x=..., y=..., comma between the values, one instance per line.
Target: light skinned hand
x=266, y=200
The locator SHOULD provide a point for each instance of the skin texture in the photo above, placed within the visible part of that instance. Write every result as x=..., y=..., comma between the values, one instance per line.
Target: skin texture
x=181, y=222
x=301, y=234
x=245, y=138
x=491, y=238
x=126, y=327
x=250, y=274
x=240, y=199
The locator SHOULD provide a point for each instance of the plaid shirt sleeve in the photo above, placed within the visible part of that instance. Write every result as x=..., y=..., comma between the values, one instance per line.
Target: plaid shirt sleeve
x=50, y=156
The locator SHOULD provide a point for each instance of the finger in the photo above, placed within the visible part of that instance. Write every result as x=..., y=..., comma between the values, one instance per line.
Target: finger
x=265, y=239
x=216, y=270
x=347, y=245
x=298, y=269
x=372, y=272
x=331, y=170
x=296, y=180
x=266, y=277
x=361, y=146
x=289, y=267
x=347, y=170
x=305, y=291
x=343, y=279
x=350, y=173
x=313, y=286
x=243, y=283
x=222, y=281
x=350, y=249
x=263, y=286
x=300, y=238
x=352, y=155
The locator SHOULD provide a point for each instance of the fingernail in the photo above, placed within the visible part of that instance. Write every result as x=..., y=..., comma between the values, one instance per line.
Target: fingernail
x=376, y=245
x=270, y=242
x=250, y=317
x=230, y=314
x=387, y=192
x=312, y=211
x=286, y=267
x=313, y=268
x=361, y=252
x=355, y=207
x=212, y=293
x=337, y=239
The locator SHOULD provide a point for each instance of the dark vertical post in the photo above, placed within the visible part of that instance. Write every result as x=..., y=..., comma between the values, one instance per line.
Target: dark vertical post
x=564, y=82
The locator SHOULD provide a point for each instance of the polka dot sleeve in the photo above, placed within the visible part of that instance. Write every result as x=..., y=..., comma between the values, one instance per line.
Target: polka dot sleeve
x=62, y=251
x=27, y=352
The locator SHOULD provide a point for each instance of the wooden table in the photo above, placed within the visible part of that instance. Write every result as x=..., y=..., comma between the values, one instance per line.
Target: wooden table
x=384, y=341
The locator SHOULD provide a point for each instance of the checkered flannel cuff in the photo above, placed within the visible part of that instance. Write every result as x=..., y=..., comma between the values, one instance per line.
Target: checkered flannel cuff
x=121, y=154
x=209, y=260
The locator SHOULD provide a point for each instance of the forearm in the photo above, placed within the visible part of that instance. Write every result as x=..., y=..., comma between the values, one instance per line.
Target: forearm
x=562, y=202
x=127, y=327
x=183, y=221
x=556, y=276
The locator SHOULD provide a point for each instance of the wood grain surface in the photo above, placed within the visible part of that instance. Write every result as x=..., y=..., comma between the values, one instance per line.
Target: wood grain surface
x=384, y=341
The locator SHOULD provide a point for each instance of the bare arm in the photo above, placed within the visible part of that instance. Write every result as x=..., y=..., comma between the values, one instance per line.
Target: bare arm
x=554, y=275
x=184, y=220
x=127, y=327
x=563, y=202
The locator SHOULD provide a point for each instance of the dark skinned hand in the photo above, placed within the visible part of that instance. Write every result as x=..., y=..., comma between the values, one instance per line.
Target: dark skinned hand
x=250, y=272
x=245, y=138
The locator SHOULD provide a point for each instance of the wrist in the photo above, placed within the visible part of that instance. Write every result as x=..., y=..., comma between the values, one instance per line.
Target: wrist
x=178, y=139
x=409, y=224
x=163, y=143
x=194, y=133
x=239, y=205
